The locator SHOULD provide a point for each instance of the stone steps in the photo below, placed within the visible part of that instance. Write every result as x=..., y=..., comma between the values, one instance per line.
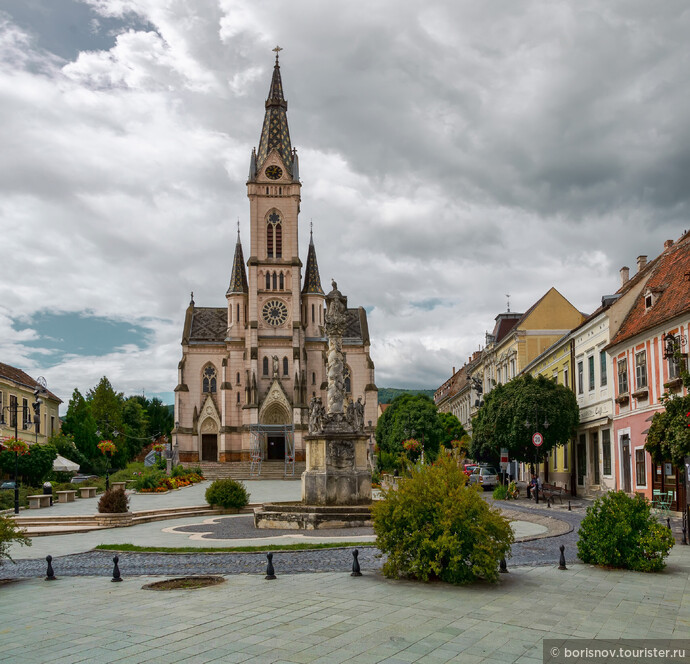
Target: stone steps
x=241, y=470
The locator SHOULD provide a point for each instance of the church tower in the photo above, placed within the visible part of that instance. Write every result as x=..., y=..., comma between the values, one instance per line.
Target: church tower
x=249, y=369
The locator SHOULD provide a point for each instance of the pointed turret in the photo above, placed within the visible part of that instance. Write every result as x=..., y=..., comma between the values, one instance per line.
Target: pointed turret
x=275, y=133
x=238, y=280
x=312, y=280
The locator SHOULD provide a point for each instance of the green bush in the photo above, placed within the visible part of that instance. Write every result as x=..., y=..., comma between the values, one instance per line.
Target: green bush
x=501, y=492
x=113, y=501
x=436, y=526
x=228, y=494
x=149, y=480
x=7, y=496
x=620, y=531
x=179, y=471
x=9, y=534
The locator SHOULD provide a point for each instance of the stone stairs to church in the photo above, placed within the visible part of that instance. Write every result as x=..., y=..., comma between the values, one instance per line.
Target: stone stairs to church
x=240, y=470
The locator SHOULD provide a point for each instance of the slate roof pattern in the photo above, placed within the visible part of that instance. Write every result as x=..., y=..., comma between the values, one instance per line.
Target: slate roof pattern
x=209, y=324
x=22, y=379
x=275, y=132
x=670, y=282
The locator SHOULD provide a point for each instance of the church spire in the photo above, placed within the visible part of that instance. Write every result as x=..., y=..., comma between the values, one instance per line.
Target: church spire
x=312, y=280
x=238, y=280
x=275, y=132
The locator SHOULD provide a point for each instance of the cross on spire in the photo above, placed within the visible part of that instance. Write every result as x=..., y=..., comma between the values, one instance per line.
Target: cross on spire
x=277, y=50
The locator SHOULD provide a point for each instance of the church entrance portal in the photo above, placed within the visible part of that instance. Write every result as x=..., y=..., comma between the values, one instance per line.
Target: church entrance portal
x=209, y=447
x=275, y=447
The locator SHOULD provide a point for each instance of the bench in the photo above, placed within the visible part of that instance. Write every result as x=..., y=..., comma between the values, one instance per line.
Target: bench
x=38, y=501
x=116, y=486
x=87, y=491
x=66, y=496
x=551, y=491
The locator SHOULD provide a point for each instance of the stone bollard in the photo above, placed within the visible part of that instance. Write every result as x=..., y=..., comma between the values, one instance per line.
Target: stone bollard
x=50, y=575
x=116, y=570
x=569, y=508
x=561, y=562
x=270, y=572
x=355, y=564
x=502, y=566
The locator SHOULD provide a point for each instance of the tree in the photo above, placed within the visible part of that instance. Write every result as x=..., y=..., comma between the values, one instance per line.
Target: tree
x=66, y=447
x=409, y=416
x=452, y=429
x=32, y=467
x=135, y=425
x=106, y=407
x=500, y=422
x=80, y=423
x=10, y=533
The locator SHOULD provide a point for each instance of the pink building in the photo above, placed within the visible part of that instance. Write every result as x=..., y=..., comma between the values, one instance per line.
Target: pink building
x=644, y=368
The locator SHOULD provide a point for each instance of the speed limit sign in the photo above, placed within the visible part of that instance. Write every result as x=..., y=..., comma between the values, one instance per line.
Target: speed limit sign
x=537, y=439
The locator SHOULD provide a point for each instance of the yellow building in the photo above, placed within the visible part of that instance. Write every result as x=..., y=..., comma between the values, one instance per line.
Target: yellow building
x=557, y=363
x=18, y=393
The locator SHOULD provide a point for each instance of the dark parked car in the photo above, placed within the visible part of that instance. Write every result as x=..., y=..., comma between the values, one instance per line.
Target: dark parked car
x=7, y=485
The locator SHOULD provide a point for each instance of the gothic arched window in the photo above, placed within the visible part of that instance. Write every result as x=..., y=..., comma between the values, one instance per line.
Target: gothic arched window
x=238, y=377
x=313, y=378
x=285, y=366
x=209, y=380
x=265, y=366
x=281, y=281
x=268, y=281
x=275, y=281
x=274, y=236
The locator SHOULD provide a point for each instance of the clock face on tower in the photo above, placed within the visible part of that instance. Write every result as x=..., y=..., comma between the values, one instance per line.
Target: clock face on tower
x=274, y=172
x=274, y=312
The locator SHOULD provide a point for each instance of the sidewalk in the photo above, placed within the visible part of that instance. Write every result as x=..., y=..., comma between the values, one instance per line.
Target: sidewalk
x=330, y=618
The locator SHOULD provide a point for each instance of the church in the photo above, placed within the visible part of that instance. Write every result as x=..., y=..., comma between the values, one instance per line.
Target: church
x=250, y=368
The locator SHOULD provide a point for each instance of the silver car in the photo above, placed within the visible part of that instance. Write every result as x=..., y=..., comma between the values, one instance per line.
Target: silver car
x=485, y=476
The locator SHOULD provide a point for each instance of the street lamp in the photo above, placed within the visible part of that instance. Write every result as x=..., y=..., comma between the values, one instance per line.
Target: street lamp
x=14, y=409
x=537, y=445
x=107, y=455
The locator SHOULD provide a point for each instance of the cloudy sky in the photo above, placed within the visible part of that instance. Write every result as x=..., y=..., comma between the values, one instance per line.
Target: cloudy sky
x=451, y=152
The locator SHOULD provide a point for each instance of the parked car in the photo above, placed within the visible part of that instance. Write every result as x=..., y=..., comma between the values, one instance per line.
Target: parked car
x=485, y=476
x=468, y=468
x=78, y=479
x=7, y=485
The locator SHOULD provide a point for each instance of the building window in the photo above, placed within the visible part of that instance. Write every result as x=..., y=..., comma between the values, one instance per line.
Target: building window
x=13, y=410
x=348, y=380
x=285, y=366
x=602, y=368
x=52, y=425
x=274, y=236
x=565, y=377
x=312, y=313
x=498, y=375
x=640, y=468
x=313, y=378
x=26, y=418
x=674, y=367
x=590, y=367
x=580, y=378
x=622, y=376
x=512, y=368
x=238, y=377
x=641, y=370
x=606, y=450
x=209, y=380
x=2, y=409
x=554, y=378
x=565, y=456
x=265, y=366
x=237, y=318
x=238, y=397
x=281, y=281
x=275, y=282
x=268, y=281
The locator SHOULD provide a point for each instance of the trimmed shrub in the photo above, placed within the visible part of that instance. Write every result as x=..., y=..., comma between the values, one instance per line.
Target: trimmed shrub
x=434, y=526
x=501, y=492
x=227, y=494
x=620, y=531
x=113, y=501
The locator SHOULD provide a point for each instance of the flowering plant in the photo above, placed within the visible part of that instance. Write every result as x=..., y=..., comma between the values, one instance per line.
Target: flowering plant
x=107, y=447
x=16, y=445
x=159, y=447
x=412, y=445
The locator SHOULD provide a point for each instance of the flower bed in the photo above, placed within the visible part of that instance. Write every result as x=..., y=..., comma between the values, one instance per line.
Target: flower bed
x=163, y=484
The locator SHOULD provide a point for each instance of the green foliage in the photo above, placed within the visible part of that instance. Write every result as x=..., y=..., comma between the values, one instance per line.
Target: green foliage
x=7, y=496
x=500, y=422
x=389, y=394
x=436, y=526
x=10, y=534
x=620, y=531
x=452, y=429
x=80, y=423
x=179, y=471
x=669, y=434
x=227, y=493
x=33, y=467
x=408, y=413
x=114, y=501
x=501, y=492
x=149, y=480
x=136, y=426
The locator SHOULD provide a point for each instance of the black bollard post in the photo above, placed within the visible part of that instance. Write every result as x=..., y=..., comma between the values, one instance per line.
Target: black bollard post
x=548, y=502
x=50, y=575
x=502, y=566
x=668, y=523
x=270, y=572
x=116, y=570
x=569, y=510
x=685, y=527
x=561, y=562
x=355, y=564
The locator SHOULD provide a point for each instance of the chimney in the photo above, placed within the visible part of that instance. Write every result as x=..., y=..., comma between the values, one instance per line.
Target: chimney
x=625, y=275
x=453, y=374
x=668, y=243
x=641, y=262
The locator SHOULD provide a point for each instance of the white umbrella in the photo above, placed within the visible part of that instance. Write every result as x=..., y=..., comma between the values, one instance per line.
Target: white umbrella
x=62, y=465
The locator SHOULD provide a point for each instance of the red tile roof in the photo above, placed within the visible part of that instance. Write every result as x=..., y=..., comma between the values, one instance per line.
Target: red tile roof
x=22, y=379
x=669, y=283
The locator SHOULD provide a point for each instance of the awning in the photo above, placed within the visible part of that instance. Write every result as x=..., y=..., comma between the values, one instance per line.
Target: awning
x=62, y=465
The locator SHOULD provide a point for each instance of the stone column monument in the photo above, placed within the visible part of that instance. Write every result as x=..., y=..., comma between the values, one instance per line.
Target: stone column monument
x=337, y=470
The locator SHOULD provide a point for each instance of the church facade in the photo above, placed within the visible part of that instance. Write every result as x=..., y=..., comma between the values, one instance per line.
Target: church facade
x=250, y=368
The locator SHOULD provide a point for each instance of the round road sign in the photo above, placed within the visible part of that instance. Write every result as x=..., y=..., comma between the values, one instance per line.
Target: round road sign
x=537, y=439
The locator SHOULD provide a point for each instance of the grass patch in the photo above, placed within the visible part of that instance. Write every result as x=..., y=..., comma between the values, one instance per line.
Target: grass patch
x=232, y=549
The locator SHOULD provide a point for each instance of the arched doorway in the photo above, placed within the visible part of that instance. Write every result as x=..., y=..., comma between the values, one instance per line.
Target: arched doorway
x=209, y=440
x=275, y=417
